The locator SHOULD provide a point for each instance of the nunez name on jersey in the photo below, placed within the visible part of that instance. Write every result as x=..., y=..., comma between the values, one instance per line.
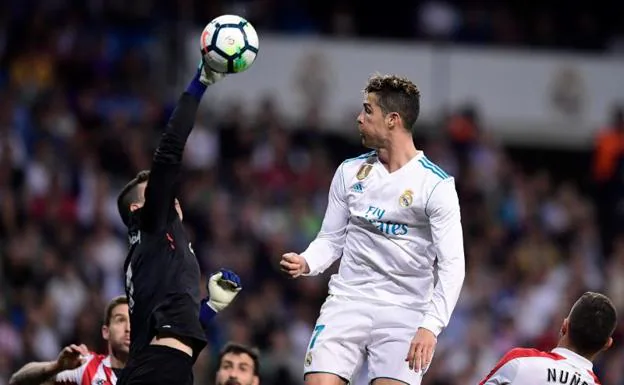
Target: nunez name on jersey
x=395, y=232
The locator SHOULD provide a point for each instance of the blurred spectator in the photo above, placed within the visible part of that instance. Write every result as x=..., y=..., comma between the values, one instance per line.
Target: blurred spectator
x=438, y=19
x=608, y=173
x=609, y=148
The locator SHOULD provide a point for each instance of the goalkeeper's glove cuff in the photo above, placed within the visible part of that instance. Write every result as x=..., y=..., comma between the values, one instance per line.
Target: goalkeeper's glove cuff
x=216, y=306
x=206, y=312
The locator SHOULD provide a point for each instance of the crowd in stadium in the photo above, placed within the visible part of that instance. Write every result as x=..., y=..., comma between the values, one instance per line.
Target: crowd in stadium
x=77, y=105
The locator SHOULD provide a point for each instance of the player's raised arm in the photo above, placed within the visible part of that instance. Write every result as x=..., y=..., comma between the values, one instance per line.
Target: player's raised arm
x=327, y=247
x=446, y=232
x=167, y=160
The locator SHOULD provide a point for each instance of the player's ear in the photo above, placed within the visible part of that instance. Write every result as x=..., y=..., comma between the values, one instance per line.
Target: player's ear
x=393, y=119
x=135, y=206
x=564, y=327
x=105, y=333
x=608, y=344
x=256, y=380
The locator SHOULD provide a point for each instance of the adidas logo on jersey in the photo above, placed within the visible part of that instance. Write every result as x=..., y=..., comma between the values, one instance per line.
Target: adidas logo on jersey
x=357, y=187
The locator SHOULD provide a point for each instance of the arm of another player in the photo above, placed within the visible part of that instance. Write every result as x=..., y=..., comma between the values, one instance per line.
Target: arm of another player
x=446, y=231
x=68, y=361
x=327, y=247
x=504, y=372
x=167, y=160
x=223, y=287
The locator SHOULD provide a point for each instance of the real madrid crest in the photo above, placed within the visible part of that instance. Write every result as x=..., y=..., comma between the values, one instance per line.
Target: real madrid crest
x=308, y=359
x=406, y=199
x=364, y=170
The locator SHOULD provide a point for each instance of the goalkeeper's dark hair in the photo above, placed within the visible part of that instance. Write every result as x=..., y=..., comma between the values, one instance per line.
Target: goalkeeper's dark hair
x=108, y=312
x=396, y=94
x=591, y=323
x=130, y=194
x=238, y=349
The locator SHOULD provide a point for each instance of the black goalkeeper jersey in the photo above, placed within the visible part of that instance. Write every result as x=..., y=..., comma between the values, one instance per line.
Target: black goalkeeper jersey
x=162, y=276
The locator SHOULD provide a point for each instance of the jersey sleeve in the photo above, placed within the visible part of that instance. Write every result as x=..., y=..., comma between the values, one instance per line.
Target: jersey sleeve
x=505, y=371
x=443, y=210
x=327, y=247
x=166, y=163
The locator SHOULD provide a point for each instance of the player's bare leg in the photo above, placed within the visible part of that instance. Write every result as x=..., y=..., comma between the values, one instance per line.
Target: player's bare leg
x=323, y=379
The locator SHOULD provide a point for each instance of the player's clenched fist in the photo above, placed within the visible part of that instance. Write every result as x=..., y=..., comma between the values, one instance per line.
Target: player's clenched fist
x=223, y=287
x=294, y=265
x=71, y=357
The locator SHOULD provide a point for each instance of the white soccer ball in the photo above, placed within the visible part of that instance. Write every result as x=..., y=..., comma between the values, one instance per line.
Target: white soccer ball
x=229, y=44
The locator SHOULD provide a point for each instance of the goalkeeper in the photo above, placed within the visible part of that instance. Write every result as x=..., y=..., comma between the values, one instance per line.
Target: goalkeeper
x=161, y=270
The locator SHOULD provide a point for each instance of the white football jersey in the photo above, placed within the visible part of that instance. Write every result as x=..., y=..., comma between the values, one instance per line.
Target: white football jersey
x=531, y=366
x=399, y=235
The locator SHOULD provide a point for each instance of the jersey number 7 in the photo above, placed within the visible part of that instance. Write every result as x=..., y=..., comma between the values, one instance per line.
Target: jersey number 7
x=317, y=330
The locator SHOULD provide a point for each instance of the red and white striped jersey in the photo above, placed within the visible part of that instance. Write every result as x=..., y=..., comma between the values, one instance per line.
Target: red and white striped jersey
x=535, y=367
x=95, y=371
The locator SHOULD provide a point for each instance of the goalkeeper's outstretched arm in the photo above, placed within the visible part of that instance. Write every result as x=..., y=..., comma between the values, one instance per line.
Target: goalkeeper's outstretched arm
x=160, y=191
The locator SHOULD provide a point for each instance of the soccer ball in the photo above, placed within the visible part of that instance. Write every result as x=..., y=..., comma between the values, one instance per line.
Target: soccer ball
x=229, y=44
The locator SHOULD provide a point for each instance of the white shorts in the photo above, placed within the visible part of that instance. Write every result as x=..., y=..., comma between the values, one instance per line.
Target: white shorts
x=349, y=331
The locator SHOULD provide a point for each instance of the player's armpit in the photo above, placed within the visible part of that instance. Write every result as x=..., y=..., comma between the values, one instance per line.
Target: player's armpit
x=161, y=186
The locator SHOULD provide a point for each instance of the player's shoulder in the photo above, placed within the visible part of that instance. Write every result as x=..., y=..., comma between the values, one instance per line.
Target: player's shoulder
x=96, y=356
x=428, y=171
x=359, y=165
x=522, y=353
x=432, y=179
x=93, y=358
x=367, y=157
x=518, y=364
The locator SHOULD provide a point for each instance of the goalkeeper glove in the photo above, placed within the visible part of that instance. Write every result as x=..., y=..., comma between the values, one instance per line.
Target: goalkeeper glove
x=223, y=287
x=208, y=76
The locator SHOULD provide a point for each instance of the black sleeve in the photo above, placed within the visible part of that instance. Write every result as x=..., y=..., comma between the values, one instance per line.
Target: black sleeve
x=161, y=188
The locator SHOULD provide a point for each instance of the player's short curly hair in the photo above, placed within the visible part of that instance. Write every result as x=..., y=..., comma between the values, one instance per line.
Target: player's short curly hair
x=592, y=321
x=129, y=194
x=396, y=94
